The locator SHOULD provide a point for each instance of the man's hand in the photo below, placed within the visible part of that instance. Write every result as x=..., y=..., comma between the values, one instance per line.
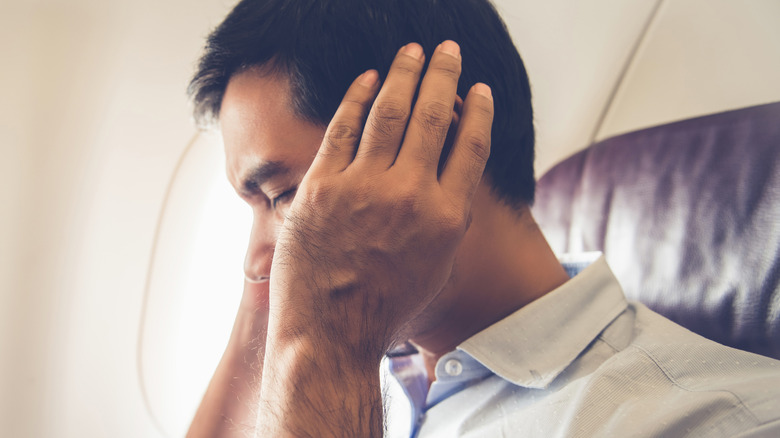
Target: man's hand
x=371, y=236
x=369, y=242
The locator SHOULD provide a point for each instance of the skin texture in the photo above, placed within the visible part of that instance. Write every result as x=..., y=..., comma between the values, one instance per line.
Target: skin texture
x=367, y=242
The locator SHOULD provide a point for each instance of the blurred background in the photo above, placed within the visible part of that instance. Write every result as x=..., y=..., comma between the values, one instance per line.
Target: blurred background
x=120, y=241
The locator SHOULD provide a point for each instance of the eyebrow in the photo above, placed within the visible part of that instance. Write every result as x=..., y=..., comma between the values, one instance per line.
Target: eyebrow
x=258, y=175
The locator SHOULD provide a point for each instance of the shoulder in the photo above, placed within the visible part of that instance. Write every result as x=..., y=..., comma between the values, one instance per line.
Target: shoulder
x=687, y=384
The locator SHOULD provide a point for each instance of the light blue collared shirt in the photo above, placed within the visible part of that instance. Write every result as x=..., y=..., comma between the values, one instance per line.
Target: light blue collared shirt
x=582, y=361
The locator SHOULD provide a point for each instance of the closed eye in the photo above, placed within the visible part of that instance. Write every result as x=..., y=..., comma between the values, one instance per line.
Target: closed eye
x=284, y=197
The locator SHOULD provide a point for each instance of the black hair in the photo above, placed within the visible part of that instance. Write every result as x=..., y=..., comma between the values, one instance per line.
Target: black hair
x=323, y=45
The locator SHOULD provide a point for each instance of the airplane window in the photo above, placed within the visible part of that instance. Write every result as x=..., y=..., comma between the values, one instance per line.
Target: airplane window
x=194, y=287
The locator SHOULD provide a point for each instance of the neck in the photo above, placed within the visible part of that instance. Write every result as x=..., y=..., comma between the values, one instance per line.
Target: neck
x=513, y=265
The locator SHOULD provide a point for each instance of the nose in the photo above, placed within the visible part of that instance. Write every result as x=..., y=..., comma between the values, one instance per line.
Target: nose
x=260, y=253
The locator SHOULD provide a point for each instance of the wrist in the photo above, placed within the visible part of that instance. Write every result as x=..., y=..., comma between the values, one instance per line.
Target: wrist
x=355, y=346
x=306, y=377
x=330, y=352
x=345, y=319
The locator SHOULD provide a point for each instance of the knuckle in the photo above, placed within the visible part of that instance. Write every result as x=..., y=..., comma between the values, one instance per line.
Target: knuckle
x=388, y=117
x=434, y=114
x=406, y=66
x=407, y=209
x=390, y=111
x=333, y=148
x=478, y=144
x=404, y=199
x=340, y=132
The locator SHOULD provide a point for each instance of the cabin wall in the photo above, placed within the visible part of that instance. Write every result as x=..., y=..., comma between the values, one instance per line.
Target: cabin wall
x=94, y=117
x=699, y=57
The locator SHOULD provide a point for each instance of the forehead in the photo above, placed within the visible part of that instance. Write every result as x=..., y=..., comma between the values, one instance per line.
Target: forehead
x=258, y=125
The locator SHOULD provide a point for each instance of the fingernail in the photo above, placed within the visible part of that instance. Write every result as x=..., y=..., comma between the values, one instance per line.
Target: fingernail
x=483, y=90
x=413, y=49
x=450, y=47
x=368, y=78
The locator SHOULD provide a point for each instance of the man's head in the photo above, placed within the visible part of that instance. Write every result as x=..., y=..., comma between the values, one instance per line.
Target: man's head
x=273, y=76
x=320, y=46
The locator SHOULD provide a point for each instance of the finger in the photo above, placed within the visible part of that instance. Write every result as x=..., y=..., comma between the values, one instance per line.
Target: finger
x=432, y=114
x=387, y=120
x=463, y=169
x=345, y=129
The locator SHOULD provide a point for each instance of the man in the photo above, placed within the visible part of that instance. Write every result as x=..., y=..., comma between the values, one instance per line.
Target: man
x=374, y=224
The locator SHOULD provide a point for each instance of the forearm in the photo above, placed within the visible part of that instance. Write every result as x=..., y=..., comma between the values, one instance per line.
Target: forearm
x=313, y=388
x=229, y=406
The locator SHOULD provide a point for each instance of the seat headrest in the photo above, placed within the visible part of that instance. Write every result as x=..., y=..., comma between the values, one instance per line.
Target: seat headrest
x=688, y=216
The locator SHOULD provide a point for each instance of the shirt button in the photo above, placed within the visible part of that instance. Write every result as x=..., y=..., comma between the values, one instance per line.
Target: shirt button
x=453, y=367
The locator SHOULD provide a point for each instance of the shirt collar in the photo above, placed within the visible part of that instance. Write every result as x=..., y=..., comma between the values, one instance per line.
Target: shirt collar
x=532, y=346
